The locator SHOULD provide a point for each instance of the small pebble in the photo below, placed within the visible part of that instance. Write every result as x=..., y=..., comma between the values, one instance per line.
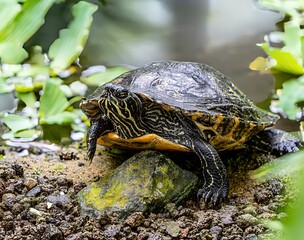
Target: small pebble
x=34, y=192
x=30, y=183
x=135, y=219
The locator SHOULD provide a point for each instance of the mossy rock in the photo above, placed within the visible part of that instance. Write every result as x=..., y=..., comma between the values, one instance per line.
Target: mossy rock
x=145, y=182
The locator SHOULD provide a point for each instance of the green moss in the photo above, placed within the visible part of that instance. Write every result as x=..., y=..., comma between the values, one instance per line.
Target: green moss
x=162, y=182
x=58, y=167
x=112, y=196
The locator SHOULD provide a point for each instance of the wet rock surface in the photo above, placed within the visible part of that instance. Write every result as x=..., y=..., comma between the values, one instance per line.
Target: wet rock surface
x=36, y=206
x=145, y=182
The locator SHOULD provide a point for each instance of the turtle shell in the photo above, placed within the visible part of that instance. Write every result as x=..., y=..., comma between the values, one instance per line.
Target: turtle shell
x=221, y=111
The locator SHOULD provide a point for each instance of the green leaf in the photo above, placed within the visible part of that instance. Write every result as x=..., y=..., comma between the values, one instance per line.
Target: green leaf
x=285, y=7
x=280, y=78
x=52, y=101
x=71, y=41
x=28, y=133
x=290, y=95
x=100, y=78
x=12, y=52
x=34, y=71
x=9, y=70
x=302, y=48
x=286, y=165
x=285, y=61
x=28, y=98
x=27, y=22
x=23, y=26
x=9, y=9
x=5, y=88
x=17, y=123
x=292, y=39
x=55, y=132
x=63, y=118
x=8, y=135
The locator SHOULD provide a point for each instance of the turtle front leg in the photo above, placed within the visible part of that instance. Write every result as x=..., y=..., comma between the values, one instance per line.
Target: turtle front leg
x=215, y=186
x=98, y=128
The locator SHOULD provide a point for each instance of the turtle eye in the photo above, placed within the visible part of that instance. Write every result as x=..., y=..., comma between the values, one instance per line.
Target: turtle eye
x=122, y=94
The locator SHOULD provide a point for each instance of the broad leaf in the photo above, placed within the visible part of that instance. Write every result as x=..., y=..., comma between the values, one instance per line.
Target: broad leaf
x=12, y=52
x=55, y=132
x=5, y=88
x=63, y=118
x=17, y=123
x=52, y=101
x=292, y=39
x=28, y=133
x=27, y=22
x=28, y=98
x=9, y=9
x=286, y=165
x=302, y=48
x=289, y=96
x=71, y=41
x=8, y=70
x=23, y=26
x=285, y=61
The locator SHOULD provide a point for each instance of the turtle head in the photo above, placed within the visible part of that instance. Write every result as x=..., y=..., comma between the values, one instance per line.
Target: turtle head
x=123, y=108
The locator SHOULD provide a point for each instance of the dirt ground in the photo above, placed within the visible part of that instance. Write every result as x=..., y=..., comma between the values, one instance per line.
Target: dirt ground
x=39, y=183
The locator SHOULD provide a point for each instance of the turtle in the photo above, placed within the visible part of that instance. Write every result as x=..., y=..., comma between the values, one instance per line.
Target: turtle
x=181, y=106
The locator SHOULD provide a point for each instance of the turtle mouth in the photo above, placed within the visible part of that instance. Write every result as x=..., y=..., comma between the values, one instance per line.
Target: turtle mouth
x=90, y=108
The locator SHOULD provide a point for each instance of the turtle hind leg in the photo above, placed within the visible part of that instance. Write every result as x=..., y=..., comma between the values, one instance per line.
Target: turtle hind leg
x=275, y=141
x=215, y=186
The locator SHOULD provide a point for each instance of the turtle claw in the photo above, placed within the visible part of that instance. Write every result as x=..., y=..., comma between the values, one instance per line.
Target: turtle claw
x=212, y=195
x=90, y=155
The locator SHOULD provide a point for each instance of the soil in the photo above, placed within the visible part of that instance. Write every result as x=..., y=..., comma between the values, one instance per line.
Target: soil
x=38, y=200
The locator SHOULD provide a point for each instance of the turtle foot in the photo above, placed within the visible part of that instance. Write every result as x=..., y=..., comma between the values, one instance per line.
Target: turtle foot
x=281, y=148
x=214, y=194
x=279, y=141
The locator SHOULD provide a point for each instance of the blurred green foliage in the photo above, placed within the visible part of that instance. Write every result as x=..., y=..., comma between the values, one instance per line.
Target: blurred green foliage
x=44, y=83
x=285, y=61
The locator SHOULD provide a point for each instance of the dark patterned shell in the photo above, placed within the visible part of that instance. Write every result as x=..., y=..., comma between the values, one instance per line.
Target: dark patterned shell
x=202, y=93
x=195, y=88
